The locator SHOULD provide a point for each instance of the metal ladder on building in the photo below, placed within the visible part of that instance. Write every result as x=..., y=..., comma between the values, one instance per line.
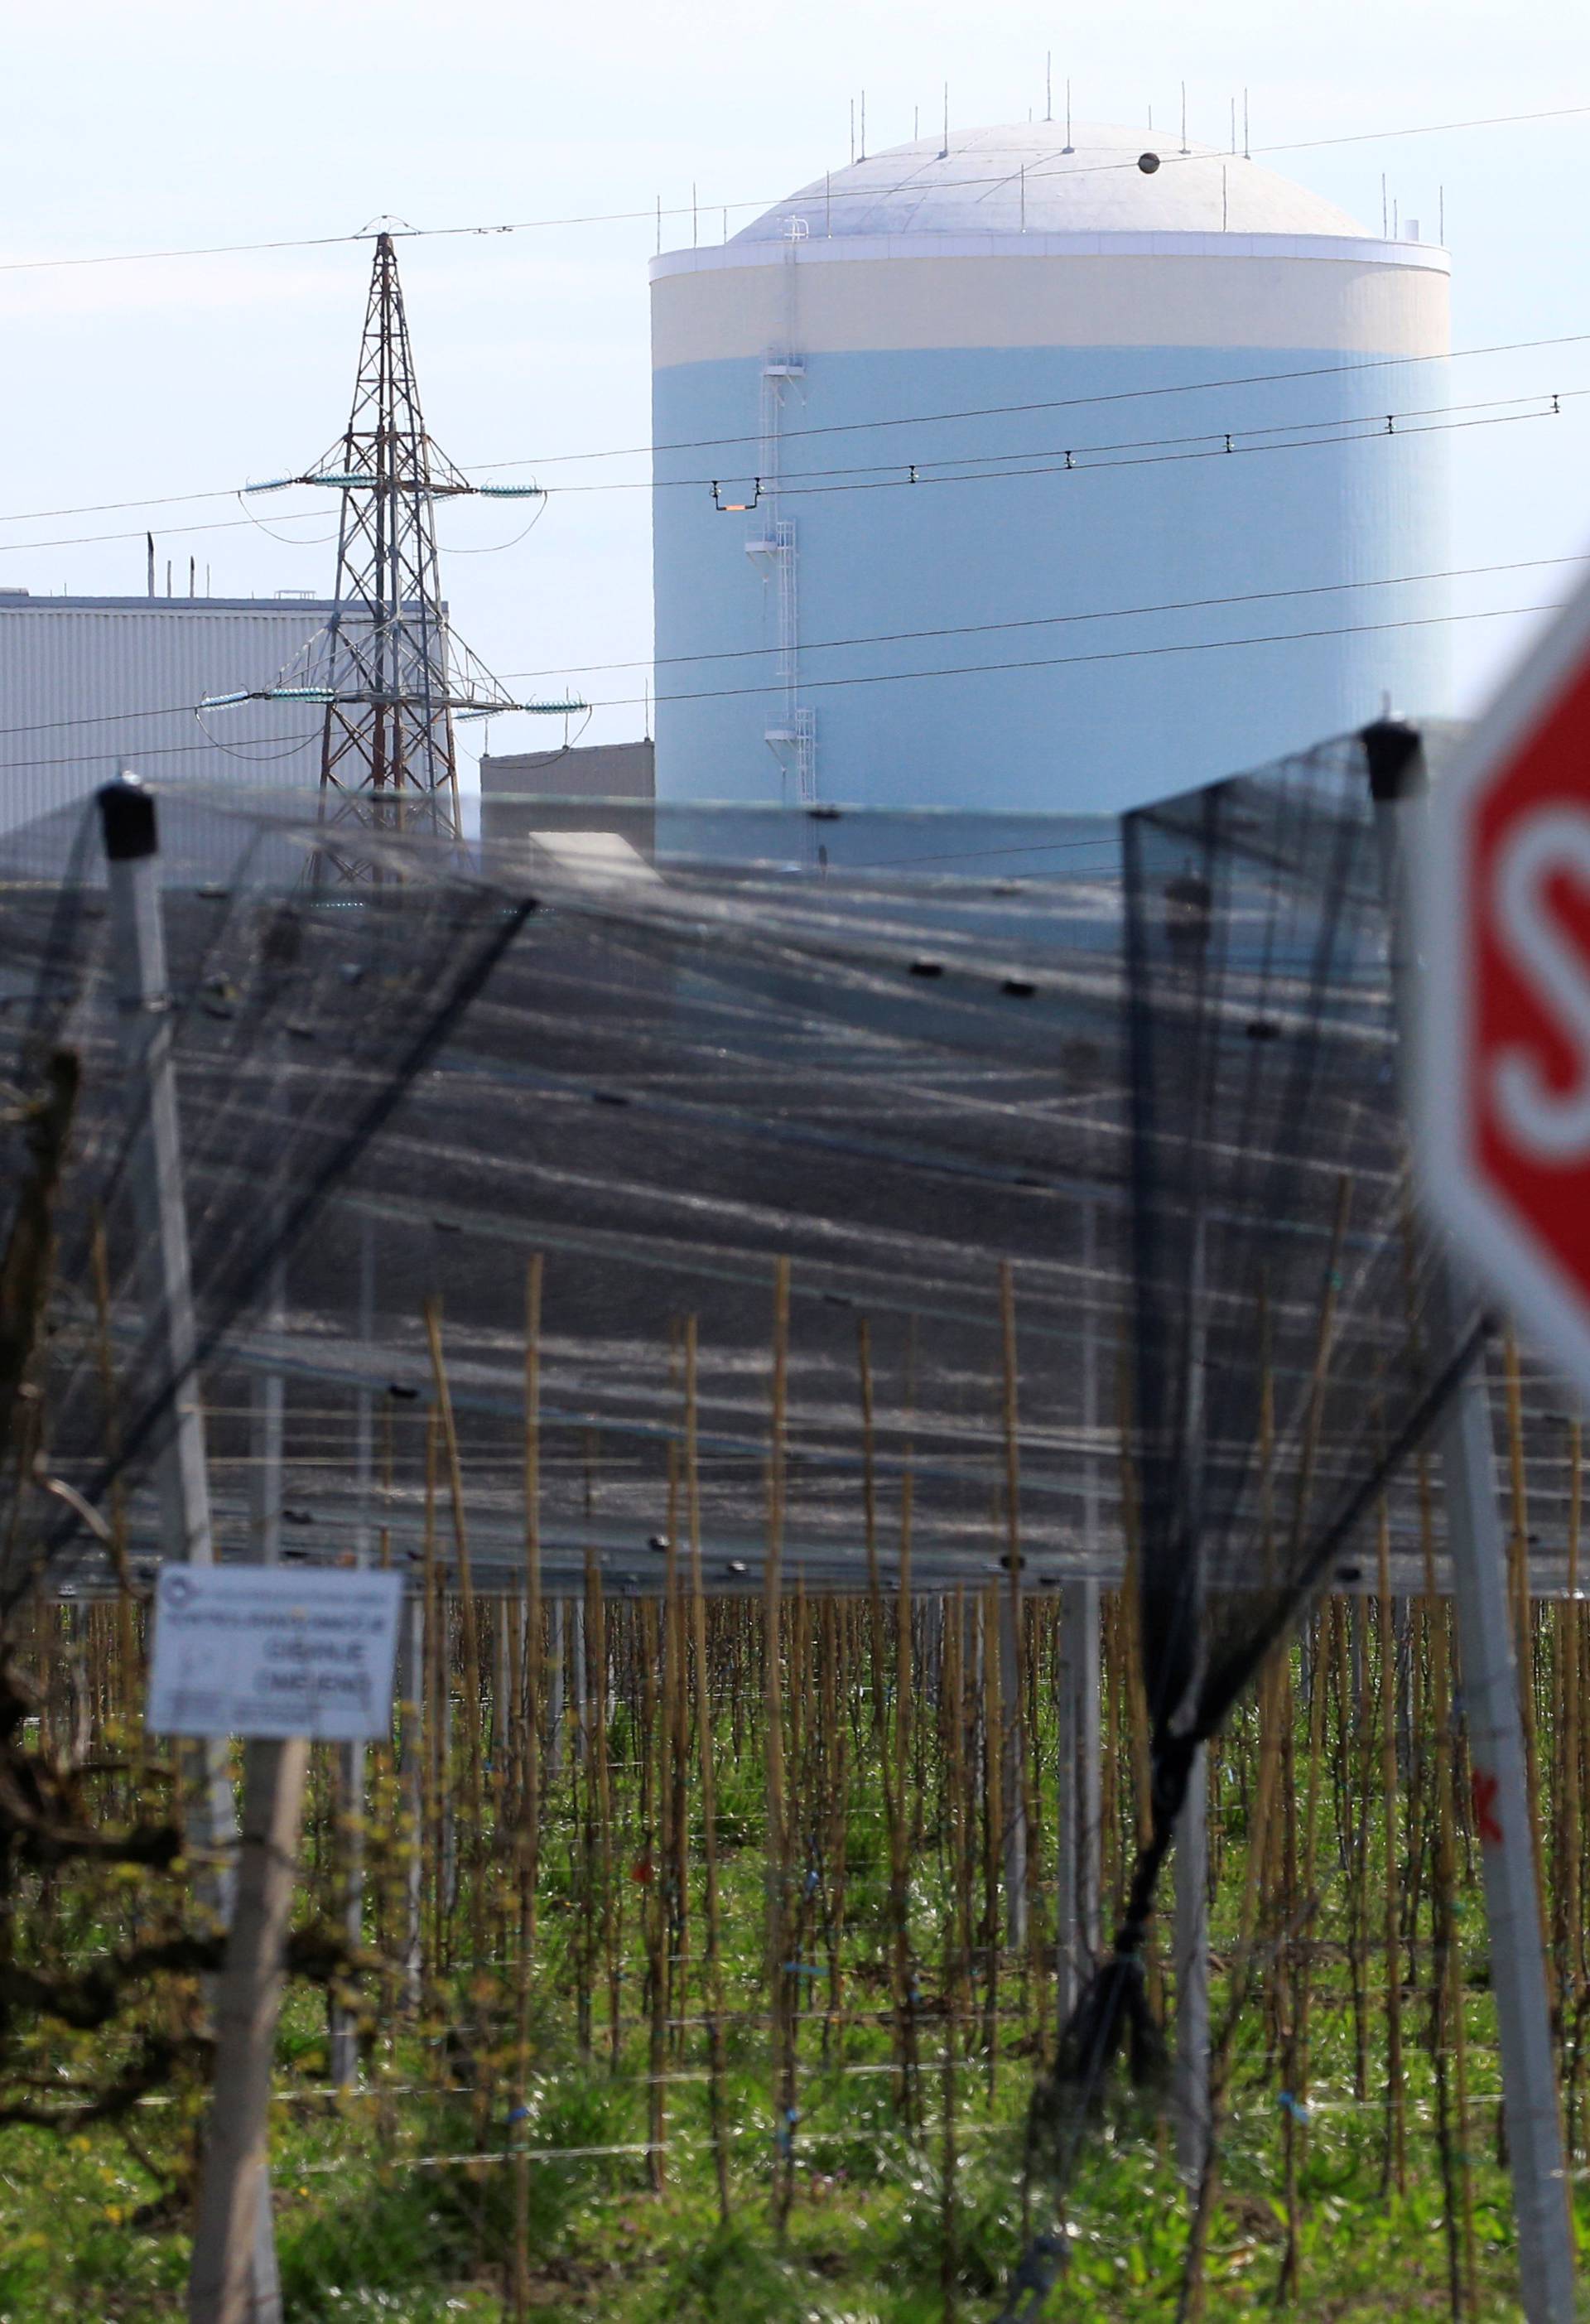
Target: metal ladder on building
x=791, y=735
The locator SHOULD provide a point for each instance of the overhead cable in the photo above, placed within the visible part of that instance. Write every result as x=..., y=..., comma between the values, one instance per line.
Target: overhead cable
x=659, y=211
x=1219, y=444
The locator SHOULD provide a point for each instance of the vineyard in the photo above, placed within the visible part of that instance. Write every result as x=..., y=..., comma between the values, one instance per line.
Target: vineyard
x=580, y=2083
x=907, y=1405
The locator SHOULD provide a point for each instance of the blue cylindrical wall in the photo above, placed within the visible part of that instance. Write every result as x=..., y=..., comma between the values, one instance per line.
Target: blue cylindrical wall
x=1010, y=632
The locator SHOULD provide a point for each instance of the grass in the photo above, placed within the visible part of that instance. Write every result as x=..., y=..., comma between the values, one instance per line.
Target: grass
x=402, y=2201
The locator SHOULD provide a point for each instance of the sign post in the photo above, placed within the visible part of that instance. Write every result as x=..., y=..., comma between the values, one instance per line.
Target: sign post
x=282, y=1656
x=1492, y=1712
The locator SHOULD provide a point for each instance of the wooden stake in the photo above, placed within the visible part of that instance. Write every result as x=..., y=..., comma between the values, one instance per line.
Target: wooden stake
x=784, y=2099
x=1397, y=2138
x=471, y=1630
x=713, y=1995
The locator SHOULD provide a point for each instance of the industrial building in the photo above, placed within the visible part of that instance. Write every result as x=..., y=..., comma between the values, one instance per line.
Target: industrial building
x=94, y=684
x=600, y=787
x=1041, y=468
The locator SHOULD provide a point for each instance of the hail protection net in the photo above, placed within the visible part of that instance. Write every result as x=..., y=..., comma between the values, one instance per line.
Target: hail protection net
x=1288, y=1313
x=296, y=1016
x=1063, y=1127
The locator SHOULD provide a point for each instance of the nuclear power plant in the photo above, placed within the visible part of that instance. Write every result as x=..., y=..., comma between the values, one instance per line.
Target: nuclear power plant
x=780, y=1531
x=966, y=453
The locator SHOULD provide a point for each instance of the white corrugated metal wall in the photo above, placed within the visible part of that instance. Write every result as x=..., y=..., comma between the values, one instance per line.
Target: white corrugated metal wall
x=89, y=686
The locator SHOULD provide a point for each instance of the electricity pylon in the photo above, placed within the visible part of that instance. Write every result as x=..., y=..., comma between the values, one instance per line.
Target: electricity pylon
x=391, y=677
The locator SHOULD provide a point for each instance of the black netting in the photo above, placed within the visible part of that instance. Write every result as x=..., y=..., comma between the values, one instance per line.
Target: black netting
x=1287, y=1348
x=1143, y=1073
x=1156, y=1079
x=297, y=1022
x=1280, y=1353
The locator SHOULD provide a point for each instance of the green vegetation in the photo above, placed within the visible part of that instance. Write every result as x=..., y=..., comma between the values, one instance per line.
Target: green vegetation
x=511, y=2148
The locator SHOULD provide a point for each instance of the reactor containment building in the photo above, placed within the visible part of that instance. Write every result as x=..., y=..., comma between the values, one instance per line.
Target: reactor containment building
x=1041, y=470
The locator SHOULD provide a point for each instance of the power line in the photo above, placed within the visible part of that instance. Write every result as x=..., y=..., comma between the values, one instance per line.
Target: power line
x=906, y=637
x=1221, y=441
x=691, y=209
x=1045, y=403
x=1071, y=465
x=1118, y=653
x=917, y=677
x=1081, y=460
x=840, y=428
x=1049, y=621
x=168, y=532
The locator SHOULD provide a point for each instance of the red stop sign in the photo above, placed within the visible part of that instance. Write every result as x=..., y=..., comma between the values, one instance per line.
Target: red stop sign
x=1504, y=1051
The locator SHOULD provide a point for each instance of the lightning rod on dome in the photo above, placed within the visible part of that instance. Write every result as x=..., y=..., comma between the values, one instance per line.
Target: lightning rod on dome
x=944, y=149
x=1049, y=84
x=1184, y=144
x=1067, y=147
x=1247, y=148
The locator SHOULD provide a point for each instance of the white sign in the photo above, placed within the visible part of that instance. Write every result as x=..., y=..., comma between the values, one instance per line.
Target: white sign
x=273, y=1651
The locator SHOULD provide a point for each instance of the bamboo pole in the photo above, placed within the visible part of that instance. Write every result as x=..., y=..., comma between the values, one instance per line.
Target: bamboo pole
x=655, y=1718
x=713, y=1987
x=1396, y=2161
x=470, y=1641
x=432, y=1687
x=959, y=1837
x=889, y=1765
x=1011, y=1739
x=676, y=1724
x=993, y=1831
x=784, y=2095
x=601, y=1762
x=907, y=1825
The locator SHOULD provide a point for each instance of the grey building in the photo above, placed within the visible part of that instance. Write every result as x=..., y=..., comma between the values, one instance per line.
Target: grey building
x=523, y=792
x=89, y=686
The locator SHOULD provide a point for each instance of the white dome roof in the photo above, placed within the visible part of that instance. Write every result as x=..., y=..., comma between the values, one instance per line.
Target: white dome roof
x=1024, y=178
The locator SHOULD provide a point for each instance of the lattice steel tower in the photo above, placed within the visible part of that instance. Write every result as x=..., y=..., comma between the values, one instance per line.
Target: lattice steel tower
x=391, y=676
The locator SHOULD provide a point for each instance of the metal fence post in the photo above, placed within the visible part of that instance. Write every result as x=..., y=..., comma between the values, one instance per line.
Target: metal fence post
x=1490, y=1681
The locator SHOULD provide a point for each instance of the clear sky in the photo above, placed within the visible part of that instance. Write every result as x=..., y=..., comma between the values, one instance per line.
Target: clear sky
x=170, y=125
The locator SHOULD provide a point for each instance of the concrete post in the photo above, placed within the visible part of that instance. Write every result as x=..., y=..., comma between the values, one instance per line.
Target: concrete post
x=154, y=1161
x=233, y=2185
x=155, y=1173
